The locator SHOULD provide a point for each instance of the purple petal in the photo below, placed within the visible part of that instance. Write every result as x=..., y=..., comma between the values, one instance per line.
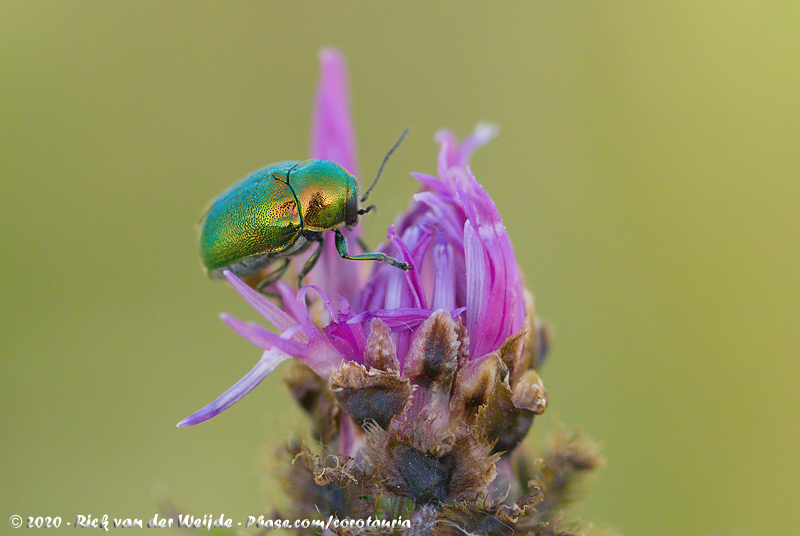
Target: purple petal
x=429, y=181
x=333, y=138
x=447, y=217
x=408, y=317
x=323, y=357
x=269, y=360
x=293, y=303
x=301, y=298
x=412, y=277
x=332, y=134
x=492, y=272
x=264, y=338
x=448, y=149
x=349, y=338
x=401, y=318
x=476, y=287
x=458, y=154
x=262, y=305
x=444, y=286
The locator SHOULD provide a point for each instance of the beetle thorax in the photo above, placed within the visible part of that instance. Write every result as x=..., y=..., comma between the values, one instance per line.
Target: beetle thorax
x=323, y=190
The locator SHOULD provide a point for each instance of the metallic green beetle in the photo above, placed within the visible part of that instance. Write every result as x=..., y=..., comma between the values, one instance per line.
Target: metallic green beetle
x=276, y=213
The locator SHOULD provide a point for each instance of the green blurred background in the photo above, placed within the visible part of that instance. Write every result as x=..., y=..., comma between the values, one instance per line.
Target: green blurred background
x=647, y=171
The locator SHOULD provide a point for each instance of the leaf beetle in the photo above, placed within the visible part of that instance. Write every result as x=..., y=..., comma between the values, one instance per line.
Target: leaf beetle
x=278, y=212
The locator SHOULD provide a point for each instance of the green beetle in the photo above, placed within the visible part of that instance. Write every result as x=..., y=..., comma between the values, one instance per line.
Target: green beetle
x=278, y=212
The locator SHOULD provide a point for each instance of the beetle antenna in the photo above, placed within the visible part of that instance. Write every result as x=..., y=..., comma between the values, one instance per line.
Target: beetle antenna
x=385, y=158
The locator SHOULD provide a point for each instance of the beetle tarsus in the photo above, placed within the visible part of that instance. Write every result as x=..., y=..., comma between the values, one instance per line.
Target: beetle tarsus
x=341, y=248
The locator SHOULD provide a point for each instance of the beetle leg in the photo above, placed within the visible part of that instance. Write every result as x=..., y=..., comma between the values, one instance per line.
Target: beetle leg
x=271, y=277
x=341, y=248
x=312, y=260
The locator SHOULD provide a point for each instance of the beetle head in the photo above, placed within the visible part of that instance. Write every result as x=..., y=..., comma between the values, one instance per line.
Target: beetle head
x=351, y=210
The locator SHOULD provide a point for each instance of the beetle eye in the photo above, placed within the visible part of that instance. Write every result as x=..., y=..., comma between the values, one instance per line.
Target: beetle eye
x=351, y=211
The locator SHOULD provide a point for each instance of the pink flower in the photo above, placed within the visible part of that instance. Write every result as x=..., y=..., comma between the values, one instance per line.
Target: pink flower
x=400, y=347
x=421, y=383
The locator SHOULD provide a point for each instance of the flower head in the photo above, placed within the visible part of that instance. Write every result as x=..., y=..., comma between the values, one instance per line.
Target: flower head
x=428, y=375
x=465, y=281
